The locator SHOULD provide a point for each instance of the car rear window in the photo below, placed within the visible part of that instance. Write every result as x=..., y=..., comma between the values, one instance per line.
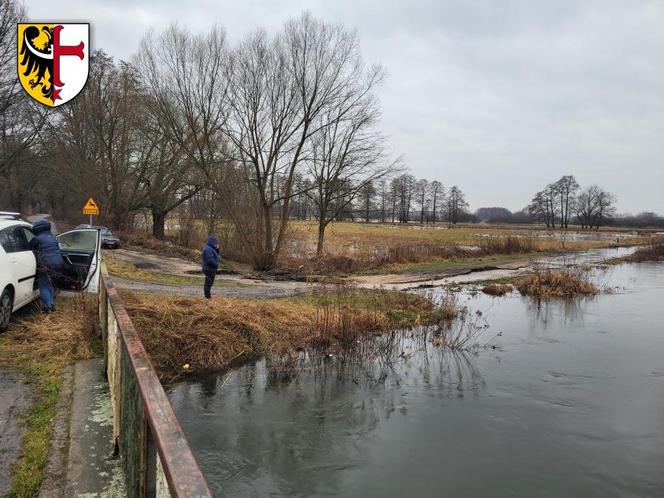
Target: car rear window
x=14, y=239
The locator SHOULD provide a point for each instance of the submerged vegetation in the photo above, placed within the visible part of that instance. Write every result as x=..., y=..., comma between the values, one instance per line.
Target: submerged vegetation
x=192, y=334
x=40, y=346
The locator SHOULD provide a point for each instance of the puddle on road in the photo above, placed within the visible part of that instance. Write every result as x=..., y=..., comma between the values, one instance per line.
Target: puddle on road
x=569, y=403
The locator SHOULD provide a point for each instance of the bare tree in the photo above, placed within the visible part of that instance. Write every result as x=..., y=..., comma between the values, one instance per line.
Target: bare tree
x=183, y=78
x=168, y=176
x=366, y=195
x=383, y=193
x=279, y=89
x=346, y=156
x=97, y=136
x=566, y=189
x=404, y=187
x=421, y=189
x=437, y=192
x=594, y=206
x=544, y=206
x=456, y=205
x=393, y=196
x=21, y=119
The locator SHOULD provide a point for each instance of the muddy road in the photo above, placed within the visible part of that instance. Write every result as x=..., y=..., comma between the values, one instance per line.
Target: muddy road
x=15, y=398
x=244, y=284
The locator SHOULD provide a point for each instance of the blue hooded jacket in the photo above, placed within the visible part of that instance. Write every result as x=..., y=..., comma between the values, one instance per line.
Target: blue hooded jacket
x=46, y=247
x=210, y=255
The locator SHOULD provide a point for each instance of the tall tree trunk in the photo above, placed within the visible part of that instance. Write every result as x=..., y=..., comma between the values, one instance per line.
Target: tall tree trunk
x=321, y=237
x=158, y=223
x=434, y=209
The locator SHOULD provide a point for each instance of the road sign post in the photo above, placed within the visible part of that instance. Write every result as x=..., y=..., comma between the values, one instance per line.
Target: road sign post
x=91, y=207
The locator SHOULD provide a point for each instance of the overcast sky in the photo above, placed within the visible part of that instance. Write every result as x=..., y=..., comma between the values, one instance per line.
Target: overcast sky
x=499, y=97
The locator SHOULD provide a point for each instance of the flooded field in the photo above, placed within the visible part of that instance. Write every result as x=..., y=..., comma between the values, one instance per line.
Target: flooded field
x=563, y=398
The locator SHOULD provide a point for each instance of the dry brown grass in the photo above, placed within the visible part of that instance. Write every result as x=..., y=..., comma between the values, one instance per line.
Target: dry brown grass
x=497, y=289
x=40, y=346
x=219, y=333
x=60, y=337
x=416, y=251
x=167, y=247
x=358, y=247
x=566, y=282
x=511, y=244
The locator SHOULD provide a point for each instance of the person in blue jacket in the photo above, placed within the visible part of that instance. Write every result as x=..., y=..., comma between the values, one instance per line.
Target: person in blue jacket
x=49, y=261
x=210, y=264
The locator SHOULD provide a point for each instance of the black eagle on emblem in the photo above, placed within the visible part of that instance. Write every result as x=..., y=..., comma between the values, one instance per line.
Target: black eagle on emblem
x=38, y=59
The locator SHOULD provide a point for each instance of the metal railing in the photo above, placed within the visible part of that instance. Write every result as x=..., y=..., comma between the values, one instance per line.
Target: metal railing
x=156, y=458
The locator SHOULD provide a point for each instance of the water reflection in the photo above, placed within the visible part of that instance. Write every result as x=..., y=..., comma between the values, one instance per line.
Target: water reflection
x=565, y=398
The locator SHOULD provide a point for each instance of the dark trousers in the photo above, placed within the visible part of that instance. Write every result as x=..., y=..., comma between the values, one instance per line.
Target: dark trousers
x=209, y=282
x=46, y=292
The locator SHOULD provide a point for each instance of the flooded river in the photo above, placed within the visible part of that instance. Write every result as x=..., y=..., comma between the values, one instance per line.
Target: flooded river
x=563, y=399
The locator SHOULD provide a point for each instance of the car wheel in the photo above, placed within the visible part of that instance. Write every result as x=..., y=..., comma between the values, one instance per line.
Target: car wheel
x=6, y=303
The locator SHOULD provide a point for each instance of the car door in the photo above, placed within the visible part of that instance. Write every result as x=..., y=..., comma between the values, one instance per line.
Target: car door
x=81, y=249
x=23, y=263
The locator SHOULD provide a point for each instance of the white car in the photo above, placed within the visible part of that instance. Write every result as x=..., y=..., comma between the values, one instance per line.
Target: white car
x=80, y=249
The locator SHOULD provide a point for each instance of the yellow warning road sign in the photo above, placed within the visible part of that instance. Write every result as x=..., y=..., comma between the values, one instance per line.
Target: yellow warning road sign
x=91, y=207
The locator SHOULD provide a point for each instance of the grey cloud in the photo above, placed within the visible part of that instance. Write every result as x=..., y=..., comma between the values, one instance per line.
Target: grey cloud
x=497, y=97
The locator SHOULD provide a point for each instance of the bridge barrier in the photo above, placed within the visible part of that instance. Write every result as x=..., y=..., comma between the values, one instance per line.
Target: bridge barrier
x=156, y=458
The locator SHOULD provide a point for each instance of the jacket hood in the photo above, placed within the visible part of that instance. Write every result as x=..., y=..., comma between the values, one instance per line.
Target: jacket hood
x=212, y=241
x=41, y=226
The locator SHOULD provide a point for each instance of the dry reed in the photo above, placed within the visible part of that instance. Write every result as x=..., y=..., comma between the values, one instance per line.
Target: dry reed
x=63, y=336
x=216, y=334
x=564, y=282
x=497, y=289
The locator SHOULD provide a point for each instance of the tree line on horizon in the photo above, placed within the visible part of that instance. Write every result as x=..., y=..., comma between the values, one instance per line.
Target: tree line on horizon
x=564, y=202
x=245, y=136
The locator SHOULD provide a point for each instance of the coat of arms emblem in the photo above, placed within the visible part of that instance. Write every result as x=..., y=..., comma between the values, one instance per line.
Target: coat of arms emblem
x=53, y=60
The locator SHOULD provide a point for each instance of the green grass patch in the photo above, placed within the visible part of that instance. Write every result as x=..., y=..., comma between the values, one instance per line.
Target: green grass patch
x=40, y=346
x=28, y=471
x=127, y=270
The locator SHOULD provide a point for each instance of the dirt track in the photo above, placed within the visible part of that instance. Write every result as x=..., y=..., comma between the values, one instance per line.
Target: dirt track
x=223, y=286
x=240, y=286
x=227, y=285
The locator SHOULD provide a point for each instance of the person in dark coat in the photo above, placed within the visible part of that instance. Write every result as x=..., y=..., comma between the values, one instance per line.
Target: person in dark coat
x=49, y=261
x=210, y=264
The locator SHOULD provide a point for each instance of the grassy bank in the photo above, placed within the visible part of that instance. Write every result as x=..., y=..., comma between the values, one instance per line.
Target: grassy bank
x=184, y=334
x=40, y=346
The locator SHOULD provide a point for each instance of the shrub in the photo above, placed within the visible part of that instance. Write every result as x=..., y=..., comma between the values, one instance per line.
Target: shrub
x=567, y=282
x=497, y=289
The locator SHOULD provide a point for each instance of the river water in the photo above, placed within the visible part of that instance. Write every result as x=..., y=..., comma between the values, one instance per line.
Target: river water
x=563, y=398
